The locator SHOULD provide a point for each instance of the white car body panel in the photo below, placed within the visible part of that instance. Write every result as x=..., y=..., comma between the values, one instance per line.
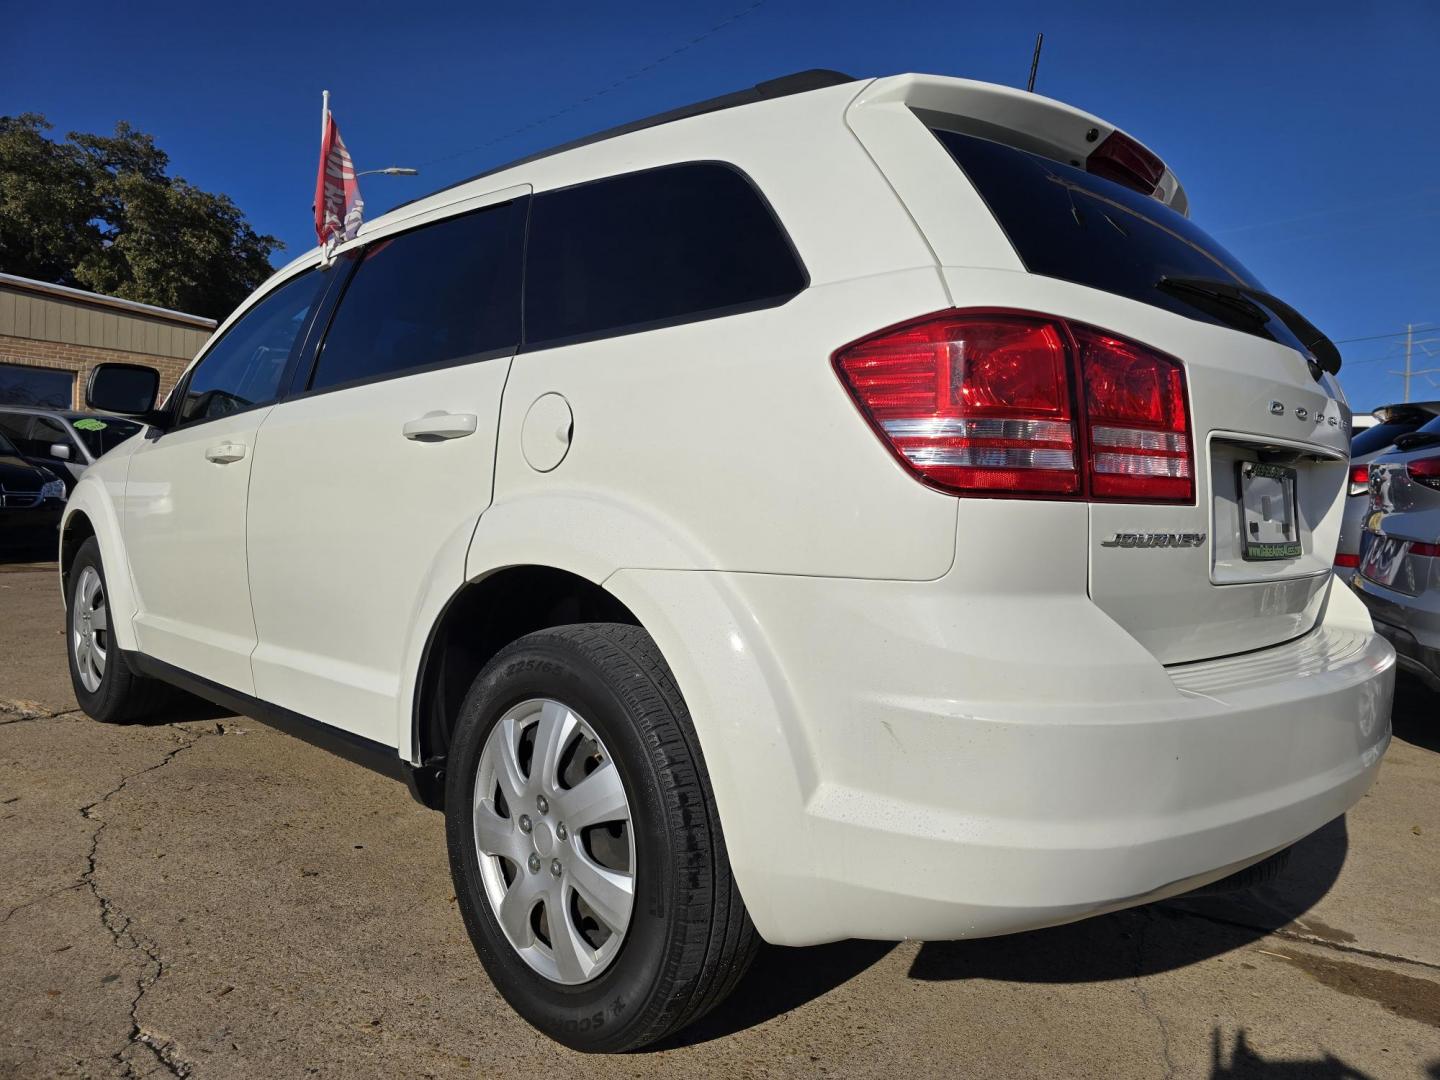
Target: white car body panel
x=182, y=512
x=922, y=715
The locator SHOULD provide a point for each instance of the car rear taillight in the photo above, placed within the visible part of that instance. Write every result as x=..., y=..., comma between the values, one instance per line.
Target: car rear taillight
x=1359, y=479
x=1123, y=160
x=1347, y=561
x=1008, y=403
x=1425, y=471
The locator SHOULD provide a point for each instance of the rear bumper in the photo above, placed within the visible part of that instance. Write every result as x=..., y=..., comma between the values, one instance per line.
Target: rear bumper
x=948, y=766
x=1410, y=623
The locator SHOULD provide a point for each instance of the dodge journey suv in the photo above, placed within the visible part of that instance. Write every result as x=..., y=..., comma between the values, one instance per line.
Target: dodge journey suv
x=845, y=508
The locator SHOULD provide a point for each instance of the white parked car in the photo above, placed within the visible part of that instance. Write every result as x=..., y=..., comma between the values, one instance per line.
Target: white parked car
x=842, y=509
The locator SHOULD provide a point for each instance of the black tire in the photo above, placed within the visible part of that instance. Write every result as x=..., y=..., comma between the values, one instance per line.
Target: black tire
x=122, y=696
x=690, y=938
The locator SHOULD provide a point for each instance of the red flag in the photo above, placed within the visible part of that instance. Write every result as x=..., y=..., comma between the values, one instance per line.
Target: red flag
x=338, y=206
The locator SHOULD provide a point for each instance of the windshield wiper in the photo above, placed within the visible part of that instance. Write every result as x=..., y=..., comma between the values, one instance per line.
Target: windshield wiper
x=1414, y=440
x=1240, y=305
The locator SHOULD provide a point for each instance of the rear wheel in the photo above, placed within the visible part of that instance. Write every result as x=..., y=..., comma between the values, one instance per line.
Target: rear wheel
x=584, y=842
x=105, y=686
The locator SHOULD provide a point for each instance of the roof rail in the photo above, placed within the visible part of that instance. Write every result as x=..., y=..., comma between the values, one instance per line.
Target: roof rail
x=798, y=83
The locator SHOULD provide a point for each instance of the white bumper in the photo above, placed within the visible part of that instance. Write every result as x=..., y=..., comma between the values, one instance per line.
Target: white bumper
x=920, y=759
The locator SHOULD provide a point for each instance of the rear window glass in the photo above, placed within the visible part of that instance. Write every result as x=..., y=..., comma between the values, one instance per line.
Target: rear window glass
x=1380, y=436
x=652, y=248
x=447, y=293
x=1065, y=223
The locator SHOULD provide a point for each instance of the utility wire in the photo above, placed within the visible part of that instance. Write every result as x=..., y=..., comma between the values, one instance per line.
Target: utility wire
x=1377, y=337
x=651, y=66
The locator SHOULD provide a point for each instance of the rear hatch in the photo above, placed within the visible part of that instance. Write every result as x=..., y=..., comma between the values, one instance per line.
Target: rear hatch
x=1243, y=560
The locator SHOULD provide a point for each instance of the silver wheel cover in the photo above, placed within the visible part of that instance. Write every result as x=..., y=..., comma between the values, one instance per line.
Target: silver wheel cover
x=555, y=840
x=90, y=629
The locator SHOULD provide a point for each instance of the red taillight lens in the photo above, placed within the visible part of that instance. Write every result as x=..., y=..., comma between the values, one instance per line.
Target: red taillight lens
x=1425, y=471
x=984, y=402
x=1135, y=406
x=1359, y=479
x=1346, y=561
x=1123, y=160
x=971, y=403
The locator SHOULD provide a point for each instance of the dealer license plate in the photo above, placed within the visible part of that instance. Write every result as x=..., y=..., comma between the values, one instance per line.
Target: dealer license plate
x=1269, y=527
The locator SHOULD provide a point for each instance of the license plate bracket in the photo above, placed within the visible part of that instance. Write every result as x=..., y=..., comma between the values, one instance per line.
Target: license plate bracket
x=1269, y=524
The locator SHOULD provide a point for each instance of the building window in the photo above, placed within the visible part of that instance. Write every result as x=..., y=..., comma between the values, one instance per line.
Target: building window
x=21, y=385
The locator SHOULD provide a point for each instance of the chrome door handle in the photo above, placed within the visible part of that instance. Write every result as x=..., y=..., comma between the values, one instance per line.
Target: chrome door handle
x=226, y=452
x=435, y=426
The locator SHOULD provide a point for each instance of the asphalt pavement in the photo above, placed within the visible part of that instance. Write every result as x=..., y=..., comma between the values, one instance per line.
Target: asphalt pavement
x=204, y=897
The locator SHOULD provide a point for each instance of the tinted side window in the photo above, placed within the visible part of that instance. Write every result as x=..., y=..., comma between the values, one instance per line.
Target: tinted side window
x=662, y=246
x=244, y=367
x=443, y=294
x=15, y=427
x=47, y=432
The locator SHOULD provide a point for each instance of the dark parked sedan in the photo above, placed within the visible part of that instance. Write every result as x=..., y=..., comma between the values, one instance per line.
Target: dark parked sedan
x=31, y=499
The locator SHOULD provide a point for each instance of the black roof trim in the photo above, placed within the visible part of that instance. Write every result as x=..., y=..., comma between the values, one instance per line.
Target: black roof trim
x=798, y=83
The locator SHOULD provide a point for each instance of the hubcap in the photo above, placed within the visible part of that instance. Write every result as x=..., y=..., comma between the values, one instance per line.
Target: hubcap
x=567, y=924
x=90, y=629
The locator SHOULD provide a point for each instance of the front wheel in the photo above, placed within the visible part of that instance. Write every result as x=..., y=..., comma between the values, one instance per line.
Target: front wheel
x=584, y=841
x=105, y=686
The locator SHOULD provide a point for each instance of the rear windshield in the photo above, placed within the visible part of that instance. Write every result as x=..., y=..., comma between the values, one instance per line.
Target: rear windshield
x=1380, y=436
x=1065, y=223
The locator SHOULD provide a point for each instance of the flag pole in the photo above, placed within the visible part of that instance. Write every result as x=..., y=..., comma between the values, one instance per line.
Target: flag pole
x=324, y=110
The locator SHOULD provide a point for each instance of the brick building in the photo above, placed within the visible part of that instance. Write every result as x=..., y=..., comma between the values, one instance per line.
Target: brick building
x=51, y=336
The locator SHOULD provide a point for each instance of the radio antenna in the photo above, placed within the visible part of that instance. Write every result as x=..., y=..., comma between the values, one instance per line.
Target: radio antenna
x=1035, y=62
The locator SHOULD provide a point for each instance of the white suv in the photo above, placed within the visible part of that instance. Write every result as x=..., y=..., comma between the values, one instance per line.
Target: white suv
x=840, y=509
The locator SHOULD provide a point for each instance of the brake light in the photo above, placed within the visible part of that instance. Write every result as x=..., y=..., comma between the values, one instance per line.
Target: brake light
x=1007, y=403
x=1359, y=479
x=1425, y=470
x=1429, y=551
x=1123, y=160
x=1347, y=561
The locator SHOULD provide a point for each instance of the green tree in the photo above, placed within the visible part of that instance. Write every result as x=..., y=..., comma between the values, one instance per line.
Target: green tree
x=100, y=212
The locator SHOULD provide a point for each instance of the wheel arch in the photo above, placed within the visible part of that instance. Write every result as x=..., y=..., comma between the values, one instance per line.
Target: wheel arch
x=89, y=512
x=479, y=620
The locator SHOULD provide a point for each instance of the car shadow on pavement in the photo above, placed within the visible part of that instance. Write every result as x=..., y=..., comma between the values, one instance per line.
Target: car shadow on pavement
x=1143, y=941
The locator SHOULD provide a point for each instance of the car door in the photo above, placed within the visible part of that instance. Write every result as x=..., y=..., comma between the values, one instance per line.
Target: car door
x=183, y=513
x=369, y=479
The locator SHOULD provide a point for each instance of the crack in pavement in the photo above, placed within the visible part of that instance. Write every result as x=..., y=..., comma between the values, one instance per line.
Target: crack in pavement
x=41, y=899
x=24, y=712
x=1150, y=1010
x=1308, y=939
x=121, y=927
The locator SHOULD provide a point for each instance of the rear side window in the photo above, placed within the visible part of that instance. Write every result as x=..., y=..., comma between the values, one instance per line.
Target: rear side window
x=1069, y=224
x=653, y=248
x=243, y=369
x=443, y=294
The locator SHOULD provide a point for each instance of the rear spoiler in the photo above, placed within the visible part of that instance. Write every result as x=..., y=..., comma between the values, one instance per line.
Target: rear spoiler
x=1034, y=123
x=1407, y=410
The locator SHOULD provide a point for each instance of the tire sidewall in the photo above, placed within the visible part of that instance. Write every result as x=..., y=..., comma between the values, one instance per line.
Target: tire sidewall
x=599, y=1013
x=101, y=703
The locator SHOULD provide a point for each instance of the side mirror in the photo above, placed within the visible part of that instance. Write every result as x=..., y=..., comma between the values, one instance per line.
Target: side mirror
x=127, y=389
x=60, y=451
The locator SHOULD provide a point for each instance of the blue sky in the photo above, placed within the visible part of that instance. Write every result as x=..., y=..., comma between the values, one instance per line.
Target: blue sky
x=1306, y=134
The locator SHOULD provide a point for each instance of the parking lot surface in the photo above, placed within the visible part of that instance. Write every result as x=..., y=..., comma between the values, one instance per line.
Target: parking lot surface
x=206, y=897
